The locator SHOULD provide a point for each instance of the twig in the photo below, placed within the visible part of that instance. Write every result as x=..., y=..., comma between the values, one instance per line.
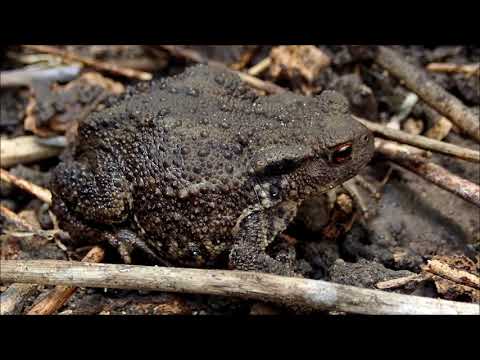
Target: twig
x=16, y=220
x=192, y=55
x=23, y=150
x=315, y=294
x=423, y=141
x=13, y=299
x=430, y=171
x=43, y=194
x=418, y=81
x=57, y=297
x=25, y=77
x=399, y=282
x=260, y=67
x=100, y=65
x=469, y=69
x=459, y=276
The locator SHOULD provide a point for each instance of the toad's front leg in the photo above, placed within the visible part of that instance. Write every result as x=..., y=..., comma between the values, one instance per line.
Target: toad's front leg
x=255, y=232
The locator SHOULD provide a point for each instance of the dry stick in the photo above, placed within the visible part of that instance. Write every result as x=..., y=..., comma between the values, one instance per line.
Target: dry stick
x=43, y=194
x=192, y=55
x=469, y=69
x=57, y=297
x=25, y=77
x=423, y=141
x=459, y=276
x=260, y=67
x=100, y=65
x=13, y=299
x=23, y=150
x=418, y=81
x=430, y=171
x=315, y=294
x=399, y=282
x=16, y=220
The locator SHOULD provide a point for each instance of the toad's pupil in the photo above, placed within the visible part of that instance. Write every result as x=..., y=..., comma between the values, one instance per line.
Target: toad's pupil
x=342, y=153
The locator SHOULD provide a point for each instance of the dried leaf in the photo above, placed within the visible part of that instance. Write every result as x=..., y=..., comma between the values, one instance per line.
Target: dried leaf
x=306, y=60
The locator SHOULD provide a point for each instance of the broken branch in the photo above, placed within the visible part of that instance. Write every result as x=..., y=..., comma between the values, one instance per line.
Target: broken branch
x=418, y=81
x=316, y=294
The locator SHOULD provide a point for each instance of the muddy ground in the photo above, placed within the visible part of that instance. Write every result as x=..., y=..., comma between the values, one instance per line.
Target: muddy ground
x=408, y=223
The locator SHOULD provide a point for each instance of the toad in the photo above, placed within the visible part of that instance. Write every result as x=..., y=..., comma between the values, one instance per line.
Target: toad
x=197, y=170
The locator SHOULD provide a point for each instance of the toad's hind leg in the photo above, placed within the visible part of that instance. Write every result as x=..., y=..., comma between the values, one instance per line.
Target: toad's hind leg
x=255, y=232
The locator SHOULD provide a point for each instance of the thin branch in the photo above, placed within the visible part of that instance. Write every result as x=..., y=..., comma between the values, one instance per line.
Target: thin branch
x=99, y=65
x=260, y=67
x=43, y=194
x=430, y=171
x=313, y=294
x=192, y=55
x=399, y=282
x=25, y=77
x=459, y=276
x=16, y=220
x=418, y=81
x=58, y=296
x=468, y=69
x=423, y=141
x=23, y=150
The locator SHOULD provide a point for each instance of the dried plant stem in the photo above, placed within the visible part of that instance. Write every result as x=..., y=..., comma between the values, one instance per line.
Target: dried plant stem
x=314, y=294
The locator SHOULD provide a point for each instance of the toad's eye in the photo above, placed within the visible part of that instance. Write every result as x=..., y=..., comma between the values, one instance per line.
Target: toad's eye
x=342, y=153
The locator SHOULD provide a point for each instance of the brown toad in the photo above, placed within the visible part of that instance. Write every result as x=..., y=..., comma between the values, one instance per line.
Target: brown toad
x=196, y=168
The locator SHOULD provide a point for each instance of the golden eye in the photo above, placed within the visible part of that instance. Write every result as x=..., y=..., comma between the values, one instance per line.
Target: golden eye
x=342, y=153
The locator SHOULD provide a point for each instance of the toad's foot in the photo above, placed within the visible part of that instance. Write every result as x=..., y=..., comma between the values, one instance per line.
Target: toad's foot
x=255, y=232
